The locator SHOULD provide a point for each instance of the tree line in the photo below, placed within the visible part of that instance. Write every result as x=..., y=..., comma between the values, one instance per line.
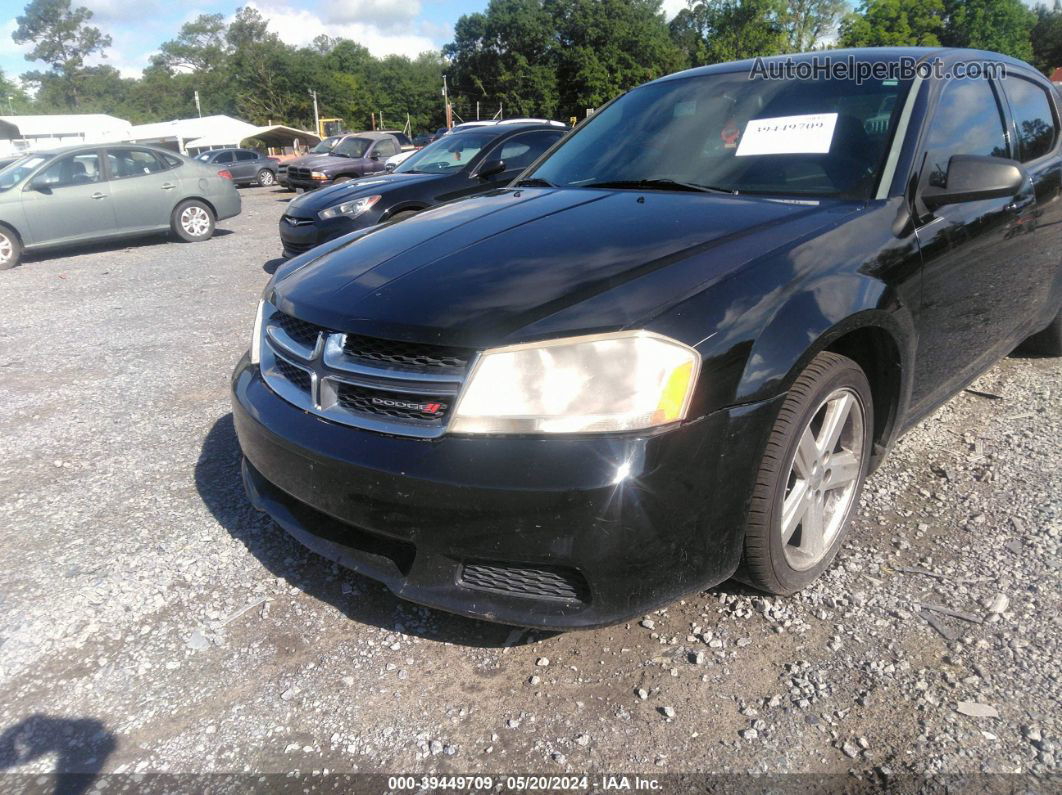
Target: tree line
x=551, y=58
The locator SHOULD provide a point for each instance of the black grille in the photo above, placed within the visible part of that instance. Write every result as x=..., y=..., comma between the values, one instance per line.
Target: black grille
x=395, y=405
x=299, y=330
x=295, y=375
x=407, y=355
x=543, y=582
x=299, y=172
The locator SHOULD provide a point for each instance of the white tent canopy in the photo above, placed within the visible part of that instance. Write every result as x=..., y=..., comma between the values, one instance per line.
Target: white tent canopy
x=22, y=133
x=216, y=132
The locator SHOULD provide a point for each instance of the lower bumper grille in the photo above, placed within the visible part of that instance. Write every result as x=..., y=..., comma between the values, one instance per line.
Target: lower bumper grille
x=539, y=582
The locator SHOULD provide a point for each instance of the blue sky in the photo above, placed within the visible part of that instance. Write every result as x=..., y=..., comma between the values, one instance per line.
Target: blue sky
x=384, y=26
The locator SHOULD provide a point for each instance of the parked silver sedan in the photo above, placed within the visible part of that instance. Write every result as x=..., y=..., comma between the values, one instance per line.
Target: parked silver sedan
x=84, y=193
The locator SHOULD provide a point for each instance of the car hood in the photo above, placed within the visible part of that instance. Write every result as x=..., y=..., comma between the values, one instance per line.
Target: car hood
x=309, y=161
x=513, y=265
x=307, y=205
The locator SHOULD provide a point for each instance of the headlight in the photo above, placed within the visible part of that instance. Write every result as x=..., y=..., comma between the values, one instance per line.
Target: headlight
x=596, y=384
x=318, y=175
x=350, y=209
x=256, y=335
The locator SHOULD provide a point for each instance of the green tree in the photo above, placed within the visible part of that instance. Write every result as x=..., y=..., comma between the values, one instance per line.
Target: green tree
x=63, y=39
x=712, y=31
x=505, y=55
x=605, y=47
x=12, y=98
x=808, y=22
x=894, y=23
x=1046, y=38
x=998, y=25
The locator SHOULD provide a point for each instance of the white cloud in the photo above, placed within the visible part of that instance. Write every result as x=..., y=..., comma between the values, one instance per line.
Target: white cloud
x=122, y=11
x=376, y=13
x=301, y=27
x=672, y=7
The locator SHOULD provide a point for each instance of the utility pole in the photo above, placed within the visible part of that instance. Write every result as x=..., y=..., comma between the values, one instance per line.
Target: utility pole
x=316, y=115
x=446, y=102
x=477, y=110
x=198, y=109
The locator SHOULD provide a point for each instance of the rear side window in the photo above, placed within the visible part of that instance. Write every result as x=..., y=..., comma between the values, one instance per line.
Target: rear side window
x=521, y=151
x=132, y=163
x=967, y=121
x=243, y=154
x=224, y=157
x=1037, y=129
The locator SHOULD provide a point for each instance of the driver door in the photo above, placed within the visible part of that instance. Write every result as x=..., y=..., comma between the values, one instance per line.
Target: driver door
x=973, y=285
x=69, y=200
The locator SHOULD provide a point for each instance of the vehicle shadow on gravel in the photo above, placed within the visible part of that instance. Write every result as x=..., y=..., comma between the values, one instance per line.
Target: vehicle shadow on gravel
x=270, y=266
x=220, y=486
x=80, y=745
x=109, y=245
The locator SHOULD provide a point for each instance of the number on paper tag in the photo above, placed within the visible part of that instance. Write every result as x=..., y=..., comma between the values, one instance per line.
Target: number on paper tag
x=788, y=135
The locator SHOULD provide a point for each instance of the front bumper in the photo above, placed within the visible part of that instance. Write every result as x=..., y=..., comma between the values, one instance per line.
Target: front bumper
x=307, y=184
x=299, y=239
x=608, y=527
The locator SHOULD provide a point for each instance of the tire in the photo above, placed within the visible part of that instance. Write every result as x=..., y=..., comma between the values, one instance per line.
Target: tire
x=402, y=215
x=830, y=386
x=10, y=249
x=1047, y=342
x=193, y=221
x=266, y=178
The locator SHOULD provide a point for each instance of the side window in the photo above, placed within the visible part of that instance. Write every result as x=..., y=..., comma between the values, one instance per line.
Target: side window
x=127, y=163
x=171, y=161
x=243, y=154
x=1037, y=130
x=522, y=150
x=385, y=148
x=224, y=157
x=967, y=122
x=79, y=169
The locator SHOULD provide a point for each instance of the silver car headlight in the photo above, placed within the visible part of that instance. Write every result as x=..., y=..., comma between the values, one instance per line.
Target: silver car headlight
x=602, y=383
x=351, y=209
x=256, y=335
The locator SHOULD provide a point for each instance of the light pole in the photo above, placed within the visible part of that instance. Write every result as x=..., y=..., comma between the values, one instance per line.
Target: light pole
x=316, y=116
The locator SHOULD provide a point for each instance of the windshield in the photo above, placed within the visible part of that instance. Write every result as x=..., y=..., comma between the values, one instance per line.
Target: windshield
x=14, y=173
x=352, y=147
x=730, y=132
x=447, y=154
x=325, y=145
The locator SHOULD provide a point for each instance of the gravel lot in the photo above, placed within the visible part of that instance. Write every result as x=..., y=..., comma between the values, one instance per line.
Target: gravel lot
x=150, y=620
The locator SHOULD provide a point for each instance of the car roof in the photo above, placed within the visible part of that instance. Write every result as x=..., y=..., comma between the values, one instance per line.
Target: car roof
x=373, y=134
x=859, y=54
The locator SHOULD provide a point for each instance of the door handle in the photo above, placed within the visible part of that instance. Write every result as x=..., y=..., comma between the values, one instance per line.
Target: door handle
x=168, y=186
x=98, y=195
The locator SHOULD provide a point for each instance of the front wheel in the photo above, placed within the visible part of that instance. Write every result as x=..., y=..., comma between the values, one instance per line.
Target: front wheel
x=265, y=178
x=809, y=481
x=10, y=249
x=193, y=221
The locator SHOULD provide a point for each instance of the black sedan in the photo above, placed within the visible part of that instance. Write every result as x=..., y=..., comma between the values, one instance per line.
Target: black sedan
x=458, y=165
x=247, y=166
x=673, y=350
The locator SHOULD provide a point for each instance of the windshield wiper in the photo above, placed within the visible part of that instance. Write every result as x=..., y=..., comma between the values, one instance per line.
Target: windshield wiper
x=535, y=182
x=662, y=184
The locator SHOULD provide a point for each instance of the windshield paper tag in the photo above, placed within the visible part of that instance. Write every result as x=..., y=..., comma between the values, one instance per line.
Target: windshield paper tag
x=788, y=135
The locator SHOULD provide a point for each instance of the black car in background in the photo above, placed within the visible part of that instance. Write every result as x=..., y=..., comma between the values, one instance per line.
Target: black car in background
x=247, y=166
x=673, y=349
x=462, y=164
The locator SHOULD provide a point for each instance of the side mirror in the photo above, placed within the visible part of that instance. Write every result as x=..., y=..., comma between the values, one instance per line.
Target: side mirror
x=41, y=185
x=374, y=156
x=975, y=177
x=491, y=168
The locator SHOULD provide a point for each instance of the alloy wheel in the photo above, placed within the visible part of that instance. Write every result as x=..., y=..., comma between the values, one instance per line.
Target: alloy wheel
x=195, y=221
x=823, y=479
x=7, y=249
x=265, y=179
